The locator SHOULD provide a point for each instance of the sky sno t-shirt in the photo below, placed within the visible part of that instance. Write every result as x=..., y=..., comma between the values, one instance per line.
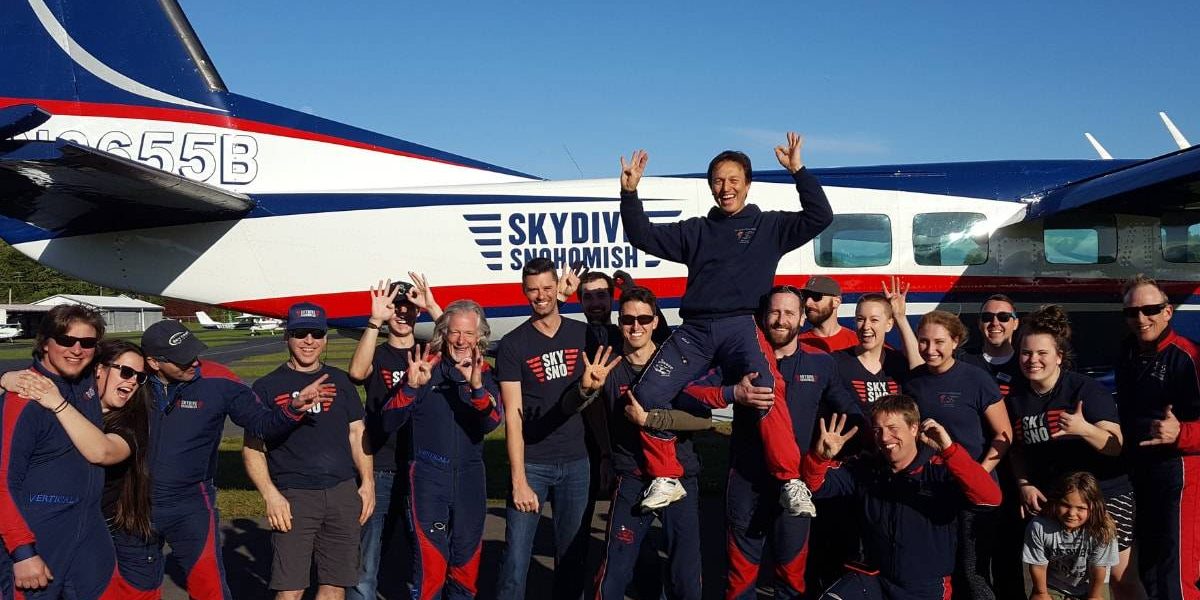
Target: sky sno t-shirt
x=866, y=386
x=546, y=368
x=316, y=454
x=957, y=399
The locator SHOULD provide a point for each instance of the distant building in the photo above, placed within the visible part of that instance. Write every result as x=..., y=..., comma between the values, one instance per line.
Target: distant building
x=121, y=313
x=24, y=317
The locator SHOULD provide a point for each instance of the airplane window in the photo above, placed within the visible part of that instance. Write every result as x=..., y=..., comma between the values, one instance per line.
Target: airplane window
x=858, y=240
x=952, y=238
x=1180, y=235
x=1080, y=239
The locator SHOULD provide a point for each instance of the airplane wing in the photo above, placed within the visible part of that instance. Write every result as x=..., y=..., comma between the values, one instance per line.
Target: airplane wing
x=70, y=189
x=1168, y=182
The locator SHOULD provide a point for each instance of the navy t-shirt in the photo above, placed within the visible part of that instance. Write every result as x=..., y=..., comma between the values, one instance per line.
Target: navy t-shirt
x=387, y=369
x=1006, y=374
x=1035, y=418
x=866, y=386
x=316, y=454
x=957, y=399
x=546, y=368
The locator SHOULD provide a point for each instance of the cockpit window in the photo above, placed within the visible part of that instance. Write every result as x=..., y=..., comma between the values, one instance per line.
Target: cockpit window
x=1180, y=235
x=855, y=240
x=950, y=238
x=1080, y=239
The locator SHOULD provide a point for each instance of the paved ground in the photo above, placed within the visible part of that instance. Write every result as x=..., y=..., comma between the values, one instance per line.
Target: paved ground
x=247, y=548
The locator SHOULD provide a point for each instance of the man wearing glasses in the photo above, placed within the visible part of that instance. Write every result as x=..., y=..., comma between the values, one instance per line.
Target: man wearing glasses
x=50, y=519
x=307, y=477
x=1158, y=399
x=822, y=297
x=191, y=399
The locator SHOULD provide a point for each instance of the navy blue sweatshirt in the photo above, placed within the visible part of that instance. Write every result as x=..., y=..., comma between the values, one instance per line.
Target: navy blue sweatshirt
x=731, y=260
x=909, y=518
x=186, y=421
x=1147, y=382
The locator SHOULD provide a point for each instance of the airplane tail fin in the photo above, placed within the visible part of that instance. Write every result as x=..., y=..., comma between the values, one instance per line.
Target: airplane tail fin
x=130, y=52
x=204, y=319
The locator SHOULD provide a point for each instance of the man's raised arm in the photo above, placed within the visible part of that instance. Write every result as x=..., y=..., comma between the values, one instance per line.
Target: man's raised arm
x=665, y=241
x=815, y=214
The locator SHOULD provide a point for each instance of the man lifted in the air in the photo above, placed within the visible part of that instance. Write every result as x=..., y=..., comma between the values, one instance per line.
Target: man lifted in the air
x=731, y=256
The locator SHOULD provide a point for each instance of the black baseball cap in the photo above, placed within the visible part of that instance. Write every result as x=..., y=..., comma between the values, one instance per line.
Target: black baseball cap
x=171, y=341
x=306, y=315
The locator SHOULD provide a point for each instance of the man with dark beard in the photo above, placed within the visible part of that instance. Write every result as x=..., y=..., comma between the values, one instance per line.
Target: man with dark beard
x=822, y=297
x=755, y=520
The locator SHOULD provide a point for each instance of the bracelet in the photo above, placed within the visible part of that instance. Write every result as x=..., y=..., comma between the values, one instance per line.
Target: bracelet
x=61, y=407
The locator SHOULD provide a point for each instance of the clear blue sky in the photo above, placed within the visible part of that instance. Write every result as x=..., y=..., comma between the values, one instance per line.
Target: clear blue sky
x=513, y=83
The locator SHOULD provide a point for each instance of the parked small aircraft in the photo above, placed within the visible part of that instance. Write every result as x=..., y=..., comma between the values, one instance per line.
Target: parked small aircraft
x=207, y=322
x=125, y=161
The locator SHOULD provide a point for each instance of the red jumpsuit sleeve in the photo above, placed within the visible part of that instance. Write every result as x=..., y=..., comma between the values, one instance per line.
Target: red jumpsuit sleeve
x=16, y=450
x=977, y=484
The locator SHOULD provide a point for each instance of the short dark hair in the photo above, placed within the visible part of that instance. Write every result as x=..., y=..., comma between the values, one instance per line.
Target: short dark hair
x=897, y=404
x=537, y=266
x=999, y=298
x=58, y=321
x=638, y=293
x=731, y=156
x=591, y=276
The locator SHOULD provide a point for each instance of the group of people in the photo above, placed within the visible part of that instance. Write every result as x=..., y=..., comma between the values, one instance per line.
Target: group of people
x=856, y=468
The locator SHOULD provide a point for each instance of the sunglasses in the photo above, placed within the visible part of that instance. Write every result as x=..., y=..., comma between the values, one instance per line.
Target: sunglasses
x=816, y=296
x=629, y=320
x=299, y=334
x=67, y=341
x=128, y=372
x=1004, y=317
x=1131, y=312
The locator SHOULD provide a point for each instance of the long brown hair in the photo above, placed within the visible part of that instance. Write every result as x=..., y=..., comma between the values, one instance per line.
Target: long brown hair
x=1099, y=524
x=133, y=507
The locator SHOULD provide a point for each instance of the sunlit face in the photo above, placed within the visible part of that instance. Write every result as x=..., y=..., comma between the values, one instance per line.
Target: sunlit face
x=115, y=391
x=541, y=291
x=783, y=319
x=896, y=439
x=306, y=351
x=1040, y=358
x=729, y=187
x=462, y=336
x=1148, y=329
x=172, y=372
x=596, y=299
x=871, y=323
x=995, y=330
x=401, y=323
x=636, y=334
x=1072, y=511
x=820, y=307
x=70, y=361
x=936, y=347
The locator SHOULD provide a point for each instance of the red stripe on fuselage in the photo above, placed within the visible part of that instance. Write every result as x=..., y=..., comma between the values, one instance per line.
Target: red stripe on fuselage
x=499, y=295
x=175, y=115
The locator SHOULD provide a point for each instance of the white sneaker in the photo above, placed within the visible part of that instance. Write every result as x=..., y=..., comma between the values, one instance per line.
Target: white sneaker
x=796, y=499
x=661, y=492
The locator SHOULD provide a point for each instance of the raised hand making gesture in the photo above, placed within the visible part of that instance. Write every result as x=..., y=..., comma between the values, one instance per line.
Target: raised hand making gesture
x=568, y=280
x=317, y=391
x=897, y=296
x=934, y=435
x=788, y=156
x=420, y=366
x=833, y=437
x=421, y=295
x=472, y=368
x=596, y=370
x=383, y=302
x=631, y=172
x=1164, y=431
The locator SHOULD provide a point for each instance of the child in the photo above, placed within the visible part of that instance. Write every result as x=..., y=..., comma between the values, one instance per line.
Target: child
x=1071, y=547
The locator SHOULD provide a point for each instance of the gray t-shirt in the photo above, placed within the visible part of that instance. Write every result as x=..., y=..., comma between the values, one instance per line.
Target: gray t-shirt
x=1068, y=554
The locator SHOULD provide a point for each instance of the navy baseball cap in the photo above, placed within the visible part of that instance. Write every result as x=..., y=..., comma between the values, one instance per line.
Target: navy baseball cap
x=306, y=315
x=172, y=341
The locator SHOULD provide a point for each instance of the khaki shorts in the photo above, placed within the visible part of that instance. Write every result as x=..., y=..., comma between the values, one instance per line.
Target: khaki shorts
x=324, y=524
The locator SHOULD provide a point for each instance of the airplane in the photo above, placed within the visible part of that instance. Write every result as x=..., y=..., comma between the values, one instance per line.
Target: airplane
x=258, y=324
x=125, y=161
x=10, y=331
x=207, y=322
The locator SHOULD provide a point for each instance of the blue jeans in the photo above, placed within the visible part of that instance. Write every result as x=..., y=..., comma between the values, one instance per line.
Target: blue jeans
x=377, y=529
x=565, y=487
